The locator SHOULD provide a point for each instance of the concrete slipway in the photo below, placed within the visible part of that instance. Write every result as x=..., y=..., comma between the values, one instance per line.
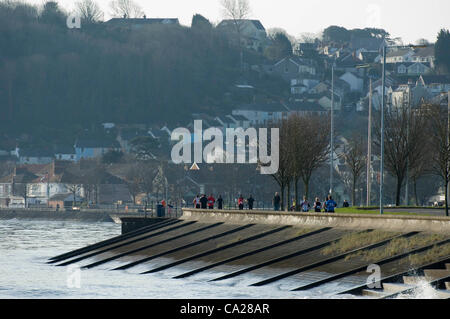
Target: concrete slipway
x=294, y=251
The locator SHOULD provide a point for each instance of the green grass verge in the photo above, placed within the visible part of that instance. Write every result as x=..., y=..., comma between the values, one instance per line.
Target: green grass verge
x=356, y=240
x=397, y=246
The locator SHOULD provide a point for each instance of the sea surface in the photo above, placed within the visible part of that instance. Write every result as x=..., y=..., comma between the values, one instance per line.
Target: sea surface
x=26, y=246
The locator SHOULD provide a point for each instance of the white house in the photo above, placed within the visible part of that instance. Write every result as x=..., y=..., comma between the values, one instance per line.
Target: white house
x=65, y=153
x=262, y=113
x=355, y=82
x=399, y=56
x=325, y=102
x=422, y=55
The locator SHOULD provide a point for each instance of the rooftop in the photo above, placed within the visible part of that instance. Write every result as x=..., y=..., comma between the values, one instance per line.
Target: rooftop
x=256, y=23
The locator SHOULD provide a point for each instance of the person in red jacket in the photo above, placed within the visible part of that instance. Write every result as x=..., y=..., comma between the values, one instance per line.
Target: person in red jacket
x=241, y=202
x=211, y=201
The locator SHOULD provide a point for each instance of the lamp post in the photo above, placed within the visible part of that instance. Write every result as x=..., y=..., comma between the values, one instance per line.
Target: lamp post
x=383, y=93
x=369, y=150
x=332, y=130
x=407, y=141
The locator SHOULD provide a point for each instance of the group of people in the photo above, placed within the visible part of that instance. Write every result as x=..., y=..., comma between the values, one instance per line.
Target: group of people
x=328, y=205
x=203, y=202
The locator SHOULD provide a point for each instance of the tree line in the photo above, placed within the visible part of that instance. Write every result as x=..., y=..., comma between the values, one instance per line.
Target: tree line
x=416, y=141
x=54, y=76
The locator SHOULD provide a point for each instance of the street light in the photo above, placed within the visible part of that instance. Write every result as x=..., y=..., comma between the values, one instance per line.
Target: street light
x=332, y=129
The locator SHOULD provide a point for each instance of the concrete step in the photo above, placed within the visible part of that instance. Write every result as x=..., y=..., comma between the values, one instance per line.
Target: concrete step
x=432, y=274
x=374, y=293
x=447, y=285
x=413, y=280
x=447, y=266
x=443, y=294
x=390, y=288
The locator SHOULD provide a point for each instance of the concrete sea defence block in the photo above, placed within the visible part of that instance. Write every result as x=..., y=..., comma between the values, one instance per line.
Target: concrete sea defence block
x=347, y=221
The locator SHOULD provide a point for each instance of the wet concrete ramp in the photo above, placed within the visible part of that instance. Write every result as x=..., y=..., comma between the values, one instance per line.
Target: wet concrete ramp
x=292, y=257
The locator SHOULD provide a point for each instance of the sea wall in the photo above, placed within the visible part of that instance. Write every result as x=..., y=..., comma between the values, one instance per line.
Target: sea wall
x=345, y=221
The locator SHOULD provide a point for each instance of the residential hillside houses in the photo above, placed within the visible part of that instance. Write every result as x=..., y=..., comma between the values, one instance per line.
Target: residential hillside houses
x=421, y=55
x=38, y=184
x=424, y=89
x=92, y=147
x=293, y=67
x=260, y=114
x=355, y=82
x=253, y=34
x=369, y=56
x=33, y=155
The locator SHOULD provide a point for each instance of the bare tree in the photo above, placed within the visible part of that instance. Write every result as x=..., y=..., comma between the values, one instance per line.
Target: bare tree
x=148, y=173
x=284, y=174
x=21, y=189
x=126, y=8
x=89, y=11
x=314, y=146
x=133, y=178
x=355, y=160
x=237, y=11
x=421, y=169
x=74, y=189
x=404, y=142
x=440, y=142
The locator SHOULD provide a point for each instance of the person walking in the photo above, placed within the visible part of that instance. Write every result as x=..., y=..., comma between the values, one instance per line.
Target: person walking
x=211, y=201
x=196, y=202
x=203, y=202
x=325, y=210
x=294, y=205
x=331, y=204
x=250, y=202
x=276, y=202
x=305, y=205
x=220, y=202
x=241, y=202
x=317, y=205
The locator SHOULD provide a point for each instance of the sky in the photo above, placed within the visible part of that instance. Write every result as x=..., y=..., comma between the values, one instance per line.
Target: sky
x=409, y=19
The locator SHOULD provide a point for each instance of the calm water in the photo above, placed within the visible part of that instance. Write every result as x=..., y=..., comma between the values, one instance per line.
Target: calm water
x=25, y=247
